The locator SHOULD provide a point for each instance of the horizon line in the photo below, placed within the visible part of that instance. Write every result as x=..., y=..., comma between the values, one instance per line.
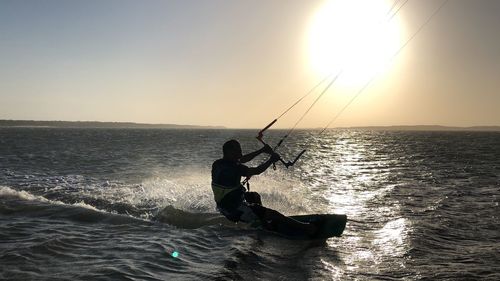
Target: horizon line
x=138, y=124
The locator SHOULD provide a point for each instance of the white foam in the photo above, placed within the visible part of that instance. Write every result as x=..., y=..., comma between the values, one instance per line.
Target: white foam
x=6, y=191
x=86, y=206
x=190, y=190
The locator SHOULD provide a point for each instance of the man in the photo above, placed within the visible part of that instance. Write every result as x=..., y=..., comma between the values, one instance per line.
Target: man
x=231, y=197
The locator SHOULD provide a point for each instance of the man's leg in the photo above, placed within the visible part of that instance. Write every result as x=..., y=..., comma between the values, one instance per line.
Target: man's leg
x=275, y=221
x=253, y=198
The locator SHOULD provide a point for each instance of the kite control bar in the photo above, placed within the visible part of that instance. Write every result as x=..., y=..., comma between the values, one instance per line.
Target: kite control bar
x=286, y=163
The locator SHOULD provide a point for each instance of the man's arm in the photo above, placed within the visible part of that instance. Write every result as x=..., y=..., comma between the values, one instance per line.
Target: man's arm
x=262, y=167
x=248, y=157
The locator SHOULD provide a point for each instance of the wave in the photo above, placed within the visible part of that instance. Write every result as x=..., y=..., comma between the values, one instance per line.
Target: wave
x=23, y=203
x=182, y=199
x=190, y=220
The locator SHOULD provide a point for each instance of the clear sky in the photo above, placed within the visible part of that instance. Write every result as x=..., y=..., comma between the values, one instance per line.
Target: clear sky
x=241, y=63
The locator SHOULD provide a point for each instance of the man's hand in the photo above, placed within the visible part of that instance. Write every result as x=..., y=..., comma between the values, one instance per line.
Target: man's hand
x=275, y=157
x=262, y=167
x=267, y=149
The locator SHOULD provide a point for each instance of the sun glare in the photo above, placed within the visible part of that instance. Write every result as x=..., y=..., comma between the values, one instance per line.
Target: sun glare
x=355, y=36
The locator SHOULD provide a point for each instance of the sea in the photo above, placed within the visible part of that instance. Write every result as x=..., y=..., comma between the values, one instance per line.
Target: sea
x=136, y=204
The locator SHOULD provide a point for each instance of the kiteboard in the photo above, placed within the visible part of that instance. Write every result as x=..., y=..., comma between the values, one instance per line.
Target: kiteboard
x=328, y=225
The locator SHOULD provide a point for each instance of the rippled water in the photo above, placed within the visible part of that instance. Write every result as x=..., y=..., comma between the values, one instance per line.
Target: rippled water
x=114, y=204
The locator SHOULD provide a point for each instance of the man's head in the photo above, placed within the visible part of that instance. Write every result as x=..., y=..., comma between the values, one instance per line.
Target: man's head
x=232, y=150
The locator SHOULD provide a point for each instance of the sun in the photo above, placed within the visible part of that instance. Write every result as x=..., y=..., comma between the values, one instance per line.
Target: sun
x=357, y=37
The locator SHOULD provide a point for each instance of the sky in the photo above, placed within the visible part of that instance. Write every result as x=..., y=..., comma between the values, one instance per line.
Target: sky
x=240, y=64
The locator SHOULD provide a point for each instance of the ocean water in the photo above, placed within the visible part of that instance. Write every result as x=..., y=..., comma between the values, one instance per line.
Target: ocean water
x=119, y=204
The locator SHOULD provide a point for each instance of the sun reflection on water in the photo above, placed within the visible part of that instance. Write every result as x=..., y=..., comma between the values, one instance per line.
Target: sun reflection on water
x=359, y=185
x=390, y=239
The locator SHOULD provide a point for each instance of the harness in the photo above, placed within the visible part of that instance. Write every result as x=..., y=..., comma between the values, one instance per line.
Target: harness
x=221, y=191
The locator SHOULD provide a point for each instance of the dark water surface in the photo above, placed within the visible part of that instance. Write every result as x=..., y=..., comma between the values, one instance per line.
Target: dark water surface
x=86, y=204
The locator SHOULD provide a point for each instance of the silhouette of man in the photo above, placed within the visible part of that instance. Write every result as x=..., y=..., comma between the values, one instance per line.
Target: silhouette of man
x=234, y=202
